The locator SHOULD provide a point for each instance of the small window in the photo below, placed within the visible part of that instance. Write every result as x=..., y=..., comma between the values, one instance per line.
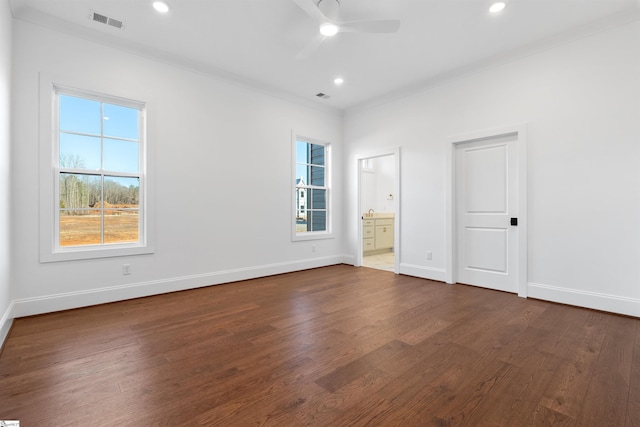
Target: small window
x=311, y=180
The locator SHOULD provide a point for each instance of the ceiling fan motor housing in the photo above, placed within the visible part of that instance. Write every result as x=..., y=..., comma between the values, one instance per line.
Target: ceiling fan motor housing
x=330, y=8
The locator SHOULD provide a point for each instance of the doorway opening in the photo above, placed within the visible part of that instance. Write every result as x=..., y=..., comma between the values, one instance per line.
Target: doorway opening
x=378, y=215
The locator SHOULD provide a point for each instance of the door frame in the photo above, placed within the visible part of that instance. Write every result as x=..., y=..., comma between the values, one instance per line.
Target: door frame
x=395, y=151
x=451, y=240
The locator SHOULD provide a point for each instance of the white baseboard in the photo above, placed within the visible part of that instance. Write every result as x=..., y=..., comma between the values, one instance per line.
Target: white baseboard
x=597, y=301
x=348, y=259
x=423, y=272
x=5, y=323
x=65, y=301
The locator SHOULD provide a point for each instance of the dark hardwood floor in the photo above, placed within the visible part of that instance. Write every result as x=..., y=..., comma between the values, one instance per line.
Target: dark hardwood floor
x=332, y=346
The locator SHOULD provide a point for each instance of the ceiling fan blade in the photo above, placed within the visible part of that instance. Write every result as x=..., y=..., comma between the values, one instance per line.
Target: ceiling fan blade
x=382, y=26
x=311, y=47
x=312, y=10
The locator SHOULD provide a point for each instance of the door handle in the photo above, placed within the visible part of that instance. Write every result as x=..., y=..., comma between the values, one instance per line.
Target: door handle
x=514, y=221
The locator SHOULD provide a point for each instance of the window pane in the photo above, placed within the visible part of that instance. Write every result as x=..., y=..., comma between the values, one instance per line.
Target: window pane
x=79, y=152
x=318, y=221
x=80, y=228
x=317, y=154
x=301, y=209
x=121, y=192
x=302, y=172
x=121, y=226
x=120, y=156
x=302, y=152
x=121, y=122
x=317, y=176
x=79, y=191
x=301, y=224
x=318, y=199
x=79, y=115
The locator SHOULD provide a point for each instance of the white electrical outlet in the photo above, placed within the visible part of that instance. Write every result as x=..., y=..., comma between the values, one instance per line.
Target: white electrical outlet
x=313, y=248
x=126, y=269
x=429, y=255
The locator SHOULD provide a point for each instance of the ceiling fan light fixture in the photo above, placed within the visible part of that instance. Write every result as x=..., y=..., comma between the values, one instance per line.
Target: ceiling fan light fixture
x=326, y=14
x=497, y=7
x=161, y=6
x=328, y=29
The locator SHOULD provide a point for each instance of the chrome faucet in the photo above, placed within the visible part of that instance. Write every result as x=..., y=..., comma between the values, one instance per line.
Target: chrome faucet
x=370, y=212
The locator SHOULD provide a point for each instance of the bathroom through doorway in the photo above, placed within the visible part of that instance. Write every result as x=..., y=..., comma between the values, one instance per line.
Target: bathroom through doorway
x=378, y=211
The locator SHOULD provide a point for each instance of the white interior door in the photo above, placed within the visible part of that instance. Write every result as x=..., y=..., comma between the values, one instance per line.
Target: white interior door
x=486, y=200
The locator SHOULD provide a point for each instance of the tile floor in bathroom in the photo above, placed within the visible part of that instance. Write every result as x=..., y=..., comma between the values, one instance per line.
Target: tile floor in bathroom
x=383, y=261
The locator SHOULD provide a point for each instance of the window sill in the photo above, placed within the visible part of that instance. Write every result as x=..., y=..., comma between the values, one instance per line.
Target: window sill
x=81, y=253
x=312, y=236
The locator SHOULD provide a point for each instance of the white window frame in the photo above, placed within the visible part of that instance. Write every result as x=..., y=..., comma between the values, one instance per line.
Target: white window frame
x=50, y=249
x=311, y=235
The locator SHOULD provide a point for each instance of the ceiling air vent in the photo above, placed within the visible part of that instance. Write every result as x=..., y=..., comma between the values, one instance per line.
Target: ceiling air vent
x=322, y=95
x=104, y=19
x=115, y=23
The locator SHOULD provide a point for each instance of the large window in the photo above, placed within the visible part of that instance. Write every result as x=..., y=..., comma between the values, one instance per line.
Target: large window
x=98, y=177
x=98, y=158
x=311, y=188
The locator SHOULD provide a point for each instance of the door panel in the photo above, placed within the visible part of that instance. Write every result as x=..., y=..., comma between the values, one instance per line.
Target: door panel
x=486, y=249
x=486, y=199
x=485, y=179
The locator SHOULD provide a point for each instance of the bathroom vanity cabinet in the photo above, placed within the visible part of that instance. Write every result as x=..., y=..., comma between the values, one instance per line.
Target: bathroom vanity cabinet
x=377, y=233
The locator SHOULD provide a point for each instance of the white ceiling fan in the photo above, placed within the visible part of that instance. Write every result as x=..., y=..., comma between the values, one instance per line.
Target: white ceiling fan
x=325, y=12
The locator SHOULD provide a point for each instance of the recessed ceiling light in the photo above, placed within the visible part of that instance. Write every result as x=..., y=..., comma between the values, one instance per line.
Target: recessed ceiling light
x=338, y=81
x=497, y=7
x=161, y=6
x=328, y=29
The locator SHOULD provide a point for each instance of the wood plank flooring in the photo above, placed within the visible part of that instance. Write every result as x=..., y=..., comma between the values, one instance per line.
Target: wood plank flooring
x=333, y=346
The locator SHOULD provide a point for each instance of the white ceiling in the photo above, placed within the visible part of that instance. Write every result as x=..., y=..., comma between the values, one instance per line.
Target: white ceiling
x=256, y=41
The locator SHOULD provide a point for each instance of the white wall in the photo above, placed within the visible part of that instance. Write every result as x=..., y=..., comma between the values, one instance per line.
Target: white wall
x=377, y=183
x=6, y=23
x=385, y=183
x=581, y=101
x=368, y=189
x=216, y=142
